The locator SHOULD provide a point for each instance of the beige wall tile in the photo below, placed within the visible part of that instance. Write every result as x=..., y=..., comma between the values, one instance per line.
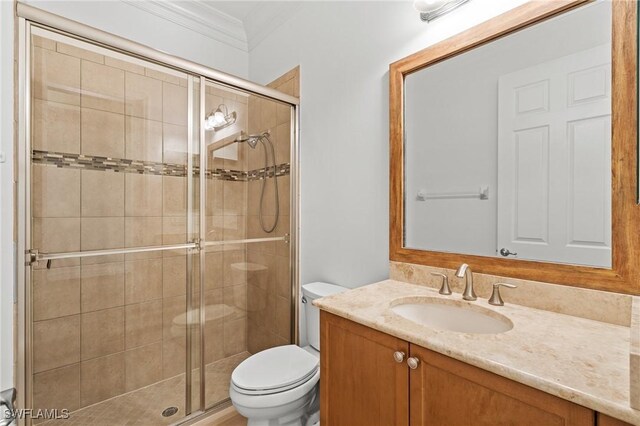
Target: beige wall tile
x=283, y=143
x=163, y=76
x=283, y=317
x=268, y=115
x=234, y=273
x=143, y=324
x=143, y=232
x=174, y=231
x=283, y=276
x=102, y=233
x=102, y=378
x=284, y=194
x=55, y=235
x=254, y=189
x=261, y=273
x=59, y=388
x=235, y=336
x=102, y=286
x=143, y=97
x=55, y=192
x=254, y=230
x=214, y=341
x=174, y=104
x=235, y=197
x=102, y=193
x=235, y=227
x=80, y=53
x=102, y=133
x=173, y=357
x=173, y=308
x=174, y=196
x=123, y=65
x=102, y=333
x=56, y=293
x=143, y=280
x=254, y=107
x=143, y=139
x=288, y=87
x=56, y=77
x=102, y=87
x=174, y=139
x=143, y=366
x=296, y=86
x=174, y=276
x=56, y=343
x=56, y=127
x=214, y=270
x=215, y=197
x=236, y=296
x=214, y=228
x=43, y=42
x=143, y=195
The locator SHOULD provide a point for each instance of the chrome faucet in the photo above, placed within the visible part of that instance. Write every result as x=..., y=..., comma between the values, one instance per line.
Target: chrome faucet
x=465, y=270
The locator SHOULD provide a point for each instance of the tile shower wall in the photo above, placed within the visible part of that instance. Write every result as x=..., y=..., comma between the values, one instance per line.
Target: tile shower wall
x=102, y=326
x=109, y=142
x=110, y=150
x=268, y=276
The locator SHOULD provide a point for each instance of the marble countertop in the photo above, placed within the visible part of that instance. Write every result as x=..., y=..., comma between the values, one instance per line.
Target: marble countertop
x=580, y=360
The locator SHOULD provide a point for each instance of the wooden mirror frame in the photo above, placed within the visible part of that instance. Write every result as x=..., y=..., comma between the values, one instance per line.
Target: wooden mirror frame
x=624, y=276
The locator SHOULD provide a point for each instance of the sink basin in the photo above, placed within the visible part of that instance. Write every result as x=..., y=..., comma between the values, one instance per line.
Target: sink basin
x=451, y=315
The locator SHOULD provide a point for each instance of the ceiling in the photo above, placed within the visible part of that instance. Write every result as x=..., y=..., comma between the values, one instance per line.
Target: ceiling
x=241, y=24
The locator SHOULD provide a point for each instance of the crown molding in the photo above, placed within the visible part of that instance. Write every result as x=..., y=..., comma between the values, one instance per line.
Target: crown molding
x=199, y=17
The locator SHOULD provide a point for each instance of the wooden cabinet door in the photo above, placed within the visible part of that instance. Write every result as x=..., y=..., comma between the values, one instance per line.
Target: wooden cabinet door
x=360, y=382
x=604, y=420
x=444, y=391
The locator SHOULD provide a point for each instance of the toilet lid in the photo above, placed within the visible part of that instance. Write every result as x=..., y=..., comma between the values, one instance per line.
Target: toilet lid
x=274, y=368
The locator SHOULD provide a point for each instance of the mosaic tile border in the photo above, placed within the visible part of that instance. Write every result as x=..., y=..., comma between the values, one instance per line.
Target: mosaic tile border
x=123, y=165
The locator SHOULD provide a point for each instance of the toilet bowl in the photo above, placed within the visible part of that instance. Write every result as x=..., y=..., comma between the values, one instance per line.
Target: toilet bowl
x=280, y=385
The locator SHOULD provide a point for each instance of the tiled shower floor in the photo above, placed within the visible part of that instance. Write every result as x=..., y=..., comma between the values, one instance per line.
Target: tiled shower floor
x=144, y=406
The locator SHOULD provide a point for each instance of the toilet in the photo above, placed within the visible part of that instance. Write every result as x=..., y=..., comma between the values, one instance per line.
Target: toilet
x=280, y=385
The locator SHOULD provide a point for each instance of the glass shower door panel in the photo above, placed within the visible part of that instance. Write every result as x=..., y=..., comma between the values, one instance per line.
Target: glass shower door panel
x=112, y=158
x=247, y=291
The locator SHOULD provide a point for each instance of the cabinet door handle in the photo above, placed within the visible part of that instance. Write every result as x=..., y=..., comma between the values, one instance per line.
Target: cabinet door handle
x=398, y=356
x=413, y=362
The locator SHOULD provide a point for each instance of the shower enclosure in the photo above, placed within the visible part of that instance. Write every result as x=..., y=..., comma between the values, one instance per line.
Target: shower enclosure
x=158, y=219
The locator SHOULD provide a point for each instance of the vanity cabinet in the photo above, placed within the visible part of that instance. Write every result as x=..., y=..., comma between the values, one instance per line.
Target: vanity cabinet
x=364, y=382
x=364, y=385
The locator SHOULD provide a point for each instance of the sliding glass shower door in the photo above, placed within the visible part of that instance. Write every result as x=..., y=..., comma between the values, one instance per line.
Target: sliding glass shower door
x=114, y=214
x=248, y=286
x=159, y=212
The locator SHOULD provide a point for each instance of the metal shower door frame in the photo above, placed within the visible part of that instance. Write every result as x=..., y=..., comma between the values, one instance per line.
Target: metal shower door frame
x=28, y=17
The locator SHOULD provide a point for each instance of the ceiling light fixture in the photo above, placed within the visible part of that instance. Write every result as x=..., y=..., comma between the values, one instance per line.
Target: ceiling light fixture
x=432, y=9
x=220, y=118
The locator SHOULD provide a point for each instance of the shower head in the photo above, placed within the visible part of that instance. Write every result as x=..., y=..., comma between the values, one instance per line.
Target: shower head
x=252, y=140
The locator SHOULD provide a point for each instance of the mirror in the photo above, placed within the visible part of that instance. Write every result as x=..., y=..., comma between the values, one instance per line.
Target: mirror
x=507, y=146
x=521, y=133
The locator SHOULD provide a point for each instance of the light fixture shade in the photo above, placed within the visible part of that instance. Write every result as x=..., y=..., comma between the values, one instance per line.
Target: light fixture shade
x=428, y=6
x=220, y=119
x=431, y=9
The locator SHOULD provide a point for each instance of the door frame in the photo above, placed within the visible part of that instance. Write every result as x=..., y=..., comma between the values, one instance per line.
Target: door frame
x=28, y=16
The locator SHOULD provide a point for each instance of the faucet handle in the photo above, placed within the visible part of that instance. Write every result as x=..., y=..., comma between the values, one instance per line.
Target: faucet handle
x=444, y=288
x=495, y=298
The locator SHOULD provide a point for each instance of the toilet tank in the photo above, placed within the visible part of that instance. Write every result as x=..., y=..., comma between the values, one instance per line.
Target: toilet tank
x=311, y=292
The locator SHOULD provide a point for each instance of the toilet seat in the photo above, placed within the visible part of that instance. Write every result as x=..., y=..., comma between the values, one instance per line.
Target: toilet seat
x=275, y=370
